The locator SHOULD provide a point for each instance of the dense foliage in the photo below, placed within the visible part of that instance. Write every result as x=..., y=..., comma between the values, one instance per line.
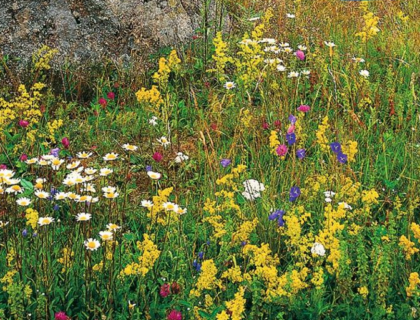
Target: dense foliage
x=268, y=172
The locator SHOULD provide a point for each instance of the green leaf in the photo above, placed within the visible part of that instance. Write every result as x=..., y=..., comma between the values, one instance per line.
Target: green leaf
x=27, y=185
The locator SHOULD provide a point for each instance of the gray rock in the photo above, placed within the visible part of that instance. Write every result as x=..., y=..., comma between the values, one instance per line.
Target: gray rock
x=84, y=30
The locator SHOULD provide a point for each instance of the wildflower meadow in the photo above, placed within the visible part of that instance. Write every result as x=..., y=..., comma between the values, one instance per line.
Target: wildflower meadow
x=266, y=169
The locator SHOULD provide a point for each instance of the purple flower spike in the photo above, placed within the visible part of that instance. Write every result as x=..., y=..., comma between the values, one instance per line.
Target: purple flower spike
x=55, y=152
x=335, y=147
x=291, y=138
x=225, y=162
x=301, y=153
x=341, y=157
x=292, y=119
x=294, y=193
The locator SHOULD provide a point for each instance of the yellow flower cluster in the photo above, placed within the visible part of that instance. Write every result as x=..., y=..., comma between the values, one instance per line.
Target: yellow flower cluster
x=329, y=235
x=220, y=57
x=416, y=230
x=207, y=279
x=165, y=67
x=23, y=107
x=66, y=259
x=237, y=305
x=234, y=274
x=157, y=213
x=274, y=141
x=150, y=254
x=42, y=57
x=266, y=268
x=370, y=28
x=151, y=96
x=318, y=278
x=350, y=149
x=414, y=281
x=245, y=229
x=53, y=127
x=246, y=120
x=320, y=134
x=7, y=280
x=370, y=197
x=363, y=291
x=31, y=218
x=408, y=247
x=173, y=60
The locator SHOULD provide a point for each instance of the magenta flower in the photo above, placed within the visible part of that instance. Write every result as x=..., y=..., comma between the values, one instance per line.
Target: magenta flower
x=300, y=55
x=111, y=95
x=23, y=123
x=66, y=142
x=23, y=157
x=265, y=125
x=3, y=167
x=304, y=108
x=281, y=150
x=165, y=290
x=60, y=316
x=157, y=156
x=174, y=315
x=102, y=102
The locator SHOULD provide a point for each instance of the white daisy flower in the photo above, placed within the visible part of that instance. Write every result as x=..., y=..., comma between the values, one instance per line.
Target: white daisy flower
x=154, y=175
x=43, y=162
x=113, y=227
x=45, y=221
x=293, y=74
x=15, y=189
x=329, y=44
x=90, y=171
x=105, y=171
x=170, y=206
x=73, y=165
x=110, y=156
x=92, y=244
x=56, y=163
x=60, y=196
x=24, y=202
x=84, y=155
x=31, y=161
x=106, y=235
x=281, y=68
x=111, y=195
x=84, y=198
x=108, y=189
x=42, y=194
x=146, y=203
x=290, y=15
x=83, y=216
x=229, y=85
x=129, y=147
